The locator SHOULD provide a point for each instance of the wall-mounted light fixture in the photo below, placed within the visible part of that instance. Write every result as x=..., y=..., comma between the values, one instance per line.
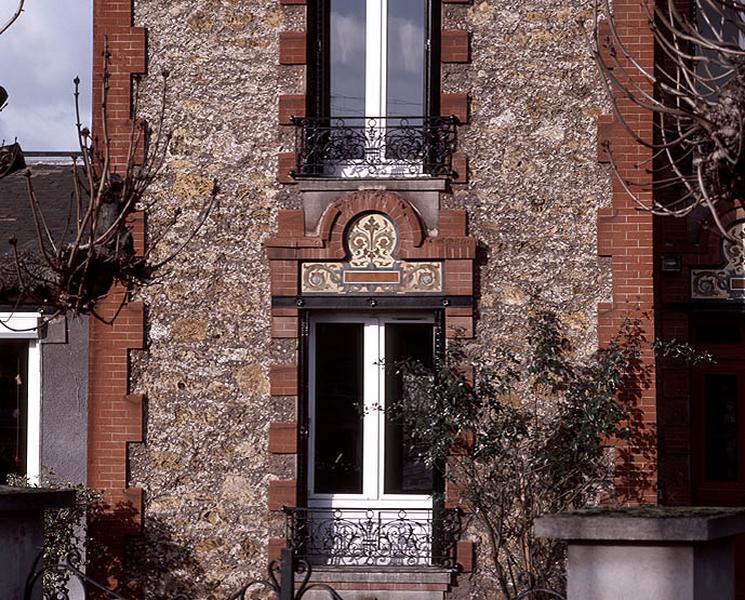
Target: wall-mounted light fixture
x=671, y=264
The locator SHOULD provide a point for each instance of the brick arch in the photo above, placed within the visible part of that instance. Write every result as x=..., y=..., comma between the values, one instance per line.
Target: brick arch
x=710, y=239
x=337, y=217
x=293, y=245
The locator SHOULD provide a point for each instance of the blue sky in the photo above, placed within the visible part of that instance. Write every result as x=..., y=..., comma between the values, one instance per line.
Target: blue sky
x=39, y=57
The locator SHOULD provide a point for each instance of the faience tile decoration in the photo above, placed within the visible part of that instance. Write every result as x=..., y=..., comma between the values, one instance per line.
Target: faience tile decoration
x=728, y=281
x=372, y=266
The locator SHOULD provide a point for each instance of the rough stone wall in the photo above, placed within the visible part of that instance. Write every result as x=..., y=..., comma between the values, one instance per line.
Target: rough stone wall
x=535, y=184
x=205, y=465
x=532, y=198
x=534, y=181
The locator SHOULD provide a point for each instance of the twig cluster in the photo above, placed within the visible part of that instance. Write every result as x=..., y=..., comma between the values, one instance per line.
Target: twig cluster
x=695, y=94
x=530, y=436
x=3, y=28
x=73, y=273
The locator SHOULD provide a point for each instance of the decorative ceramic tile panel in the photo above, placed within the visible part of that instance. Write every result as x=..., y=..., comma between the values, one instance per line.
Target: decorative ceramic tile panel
x=727, y=282
x=372, y=267
x=371, y=241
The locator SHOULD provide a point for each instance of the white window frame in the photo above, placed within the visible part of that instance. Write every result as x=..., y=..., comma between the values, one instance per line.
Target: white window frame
x=373, y=477
x=376, y=58
x=376, y=95
x=25, y=326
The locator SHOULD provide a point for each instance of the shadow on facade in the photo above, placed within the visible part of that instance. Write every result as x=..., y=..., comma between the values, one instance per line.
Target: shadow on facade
x=166, y=567
x=636, y=456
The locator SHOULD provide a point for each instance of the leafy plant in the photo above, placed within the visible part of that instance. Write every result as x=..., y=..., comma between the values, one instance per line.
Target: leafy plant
x=527, y=436
x=65, y=530
x=676, y=350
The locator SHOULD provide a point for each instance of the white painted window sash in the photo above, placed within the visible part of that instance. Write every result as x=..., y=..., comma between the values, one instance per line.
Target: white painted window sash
x=373, y=476
x=375, y=59
x=33, y=424
x=25, y=325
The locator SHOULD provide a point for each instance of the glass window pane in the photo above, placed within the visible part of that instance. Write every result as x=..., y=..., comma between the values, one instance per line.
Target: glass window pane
x=347, y=58
x=714, y=20
x=407, y=30
x=718, y=329
x=720, y=433
x=339, y=408
x=405, y=473
x=13, y=407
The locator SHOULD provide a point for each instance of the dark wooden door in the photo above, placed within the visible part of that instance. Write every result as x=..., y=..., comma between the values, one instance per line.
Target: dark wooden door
x=718, y=422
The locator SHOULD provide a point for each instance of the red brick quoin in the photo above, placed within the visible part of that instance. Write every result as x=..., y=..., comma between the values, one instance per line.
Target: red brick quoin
x=626, y=236
x=115, y=417
x=127, y=47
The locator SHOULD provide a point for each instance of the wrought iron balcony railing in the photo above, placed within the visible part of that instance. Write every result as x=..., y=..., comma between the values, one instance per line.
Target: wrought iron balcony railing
x=375, y=146
x=373, y=537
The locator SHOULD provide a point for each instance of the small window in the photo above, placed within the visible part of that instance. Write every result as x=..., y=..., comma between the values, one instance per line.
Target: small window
x=20, y=396
x=718, y=329
x=720, y=428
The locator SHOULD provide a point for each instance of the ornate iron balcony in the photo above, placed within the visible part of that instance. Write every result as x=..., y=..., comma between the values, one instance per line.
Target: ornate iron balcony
x=375, y=146
x=373, y=537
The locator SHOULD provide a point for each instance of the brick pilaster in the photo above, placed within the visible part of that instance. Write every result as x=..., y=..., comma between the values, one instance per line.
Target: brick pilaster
x=127, y=47
x=626, y=235
x=115, y=417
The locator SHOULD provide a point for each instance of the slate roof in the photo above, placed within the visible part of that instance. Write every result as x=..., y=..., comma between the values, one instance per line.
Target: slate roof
x=53, y=186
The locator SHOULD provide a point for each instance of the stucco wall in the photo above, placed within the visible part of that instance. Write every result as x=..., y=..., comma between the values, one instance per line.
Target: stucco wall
x=64, y=392
x=532, y=198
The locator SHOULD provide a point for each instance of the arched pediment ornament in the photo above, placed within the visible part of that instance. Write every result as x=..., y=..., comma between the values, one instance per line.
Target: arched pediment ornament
x=728, y=281
x=371, y=242
x=372, y=265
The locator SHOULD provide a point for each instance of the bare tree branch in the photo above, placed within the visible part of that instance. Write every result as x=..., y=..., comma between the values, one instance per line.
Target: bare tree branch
x=14, y=17
x=74, y=272
x=696, y=101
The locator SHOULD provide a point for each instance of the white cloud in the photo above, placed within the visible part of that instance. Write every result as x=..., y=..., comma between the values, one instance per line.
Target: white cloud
x=407, y=44
x=348, y=40
x=40, y=55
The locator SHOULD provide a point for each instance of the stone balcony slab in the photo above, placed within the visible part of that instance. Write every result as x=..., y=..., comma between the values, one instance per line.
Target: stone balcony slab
x=652, y=524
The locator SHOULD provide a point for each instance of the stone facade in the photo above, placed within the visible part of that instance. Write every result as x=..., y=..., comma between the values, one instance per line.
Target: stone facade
x=531, y=193
x=534, y=103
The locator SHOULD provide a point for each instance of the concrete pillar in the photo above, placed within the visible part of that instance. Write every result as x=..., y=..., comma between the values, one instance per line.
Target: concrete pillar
x=655, y=552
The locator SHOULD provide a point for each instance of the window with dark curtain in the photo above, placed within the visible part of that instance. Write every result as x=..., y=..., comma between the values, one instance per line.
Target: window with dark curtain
x=405, y=471
x=339, y=409
x=13, y=407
